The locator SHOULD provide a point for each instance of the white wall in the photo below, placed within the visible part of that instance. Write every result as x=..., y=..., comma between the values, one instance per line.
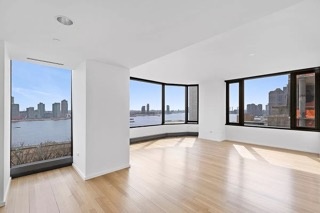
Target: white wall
x=288, y=139
x=101, y=103
x=2, y=46
x=79, y=105
x=5, y=106
x=212, y=110
x=157, y=130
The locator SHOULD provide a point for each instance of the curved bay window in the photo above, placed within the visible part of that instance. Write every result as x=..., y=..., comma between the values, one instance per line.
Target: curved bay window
x=155, y=103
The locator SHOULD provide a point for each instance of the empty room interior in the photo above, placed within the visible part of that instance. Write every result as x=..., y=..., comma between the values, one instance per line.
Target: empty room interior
x=159, y=106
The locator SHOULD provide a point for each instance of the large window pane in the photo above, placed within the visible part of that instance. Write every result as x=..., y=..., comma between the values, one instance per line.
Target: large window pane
x=40, y=113
x=145, y=103
x=234, y=103
x=193, y=103
x=305, y=100
x=175, y=104
x=267, y=101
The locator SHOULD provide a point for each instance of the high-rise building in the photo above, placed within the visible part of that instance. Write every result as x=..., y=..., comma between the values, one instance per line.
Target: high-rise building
x=64, y=108
x=30, y=113
x=278, y=99
x=143, y=109
x=278, y=107
x=41, y=110
x=15, y=111
x=12, y=100
x=267, y=109
x=168, y=108
x=56, y=110
x=193, y=103
x=254, y=110
x=148, y=108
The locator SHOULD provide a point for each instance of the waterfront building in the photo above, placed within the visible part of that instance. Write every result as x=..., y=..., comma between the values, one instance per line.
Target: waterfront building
x=143, y=109
x=56, y=113
x=41, y=110
x=15, y=111
x=64, y=108
x=30, y=113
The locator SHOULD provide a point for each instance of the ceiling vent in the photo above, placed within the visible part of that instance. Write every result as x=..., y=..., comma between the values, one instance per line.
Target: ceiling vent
x=44, y=61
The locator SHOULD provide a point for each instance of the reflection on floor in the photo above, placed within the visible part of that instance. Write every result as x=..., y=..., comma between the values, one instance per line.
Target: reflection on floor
x=183, y=174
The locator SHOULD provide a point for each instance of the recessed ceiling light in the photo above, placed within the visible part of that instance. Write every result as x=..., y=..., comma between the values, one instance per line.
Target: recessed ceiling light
x=64, y=20
x=252, y=54
x=56, y=39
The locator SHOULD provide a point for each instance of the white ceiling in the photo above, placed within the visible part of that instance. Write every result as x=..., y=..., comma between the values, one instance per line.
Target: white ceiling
x=285, y=40
x=130, y=33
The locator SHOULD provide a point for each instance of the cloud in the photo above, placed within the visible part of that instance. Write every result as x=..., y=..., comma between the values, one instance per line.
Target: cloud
x=29, y=92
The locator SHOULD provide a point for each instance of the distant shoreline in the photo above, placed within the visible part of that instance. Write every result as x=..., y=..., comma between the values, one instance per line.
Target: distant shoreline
x=40, y=119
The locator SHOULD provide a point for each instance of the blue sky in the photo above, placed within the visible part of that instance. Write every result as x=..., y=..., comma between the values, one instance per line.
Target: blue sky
x=175, y=97
x=257, y=90
x=33, y=83
x=143, y=93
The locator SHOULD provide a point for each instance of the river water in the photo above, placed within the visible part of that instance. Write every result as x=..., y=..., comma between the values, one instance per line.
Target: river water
x=156, y=119
x=36, y=132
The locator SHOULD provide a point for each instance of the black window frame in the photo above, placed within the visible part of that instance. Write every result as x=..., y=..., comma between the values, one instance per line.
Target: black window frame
x=240, y=112
x=187, y=103
x=163, y=107
x=45, y=165
x=152, y=82
x=293, y=108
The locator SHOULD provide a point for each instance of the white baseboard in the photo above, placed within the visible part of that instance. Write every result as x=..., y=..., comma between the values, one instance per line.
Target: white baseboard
x=94, y=175
x=3, y=203
x=78, y=171
x=7, y=190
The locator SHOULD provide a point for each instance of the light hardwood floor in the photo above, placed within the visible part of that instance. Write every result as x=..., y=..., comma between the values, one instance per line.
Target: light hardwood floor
x=182, y=174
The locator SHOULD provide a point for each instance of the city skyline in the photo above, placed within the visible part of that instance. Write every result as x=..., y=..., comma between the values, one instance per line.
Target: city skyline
x=59, y=110
x=33, y=84
x=251, y=96
x=146, y=109
x=39, y=104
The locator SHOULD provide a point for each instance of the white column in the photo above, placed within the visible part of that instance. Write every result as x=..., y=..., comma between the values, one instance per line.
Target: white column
x=79, y=104
x=5, y=103
x=101, y=123
x=212, y=109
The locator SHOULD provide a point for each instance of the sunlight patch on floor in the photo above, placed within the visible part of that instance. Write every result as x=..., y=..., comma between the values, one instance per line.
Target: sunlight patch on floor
x=289, y=160
x=163, y=143
x=244, y=152
x=187, y=142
